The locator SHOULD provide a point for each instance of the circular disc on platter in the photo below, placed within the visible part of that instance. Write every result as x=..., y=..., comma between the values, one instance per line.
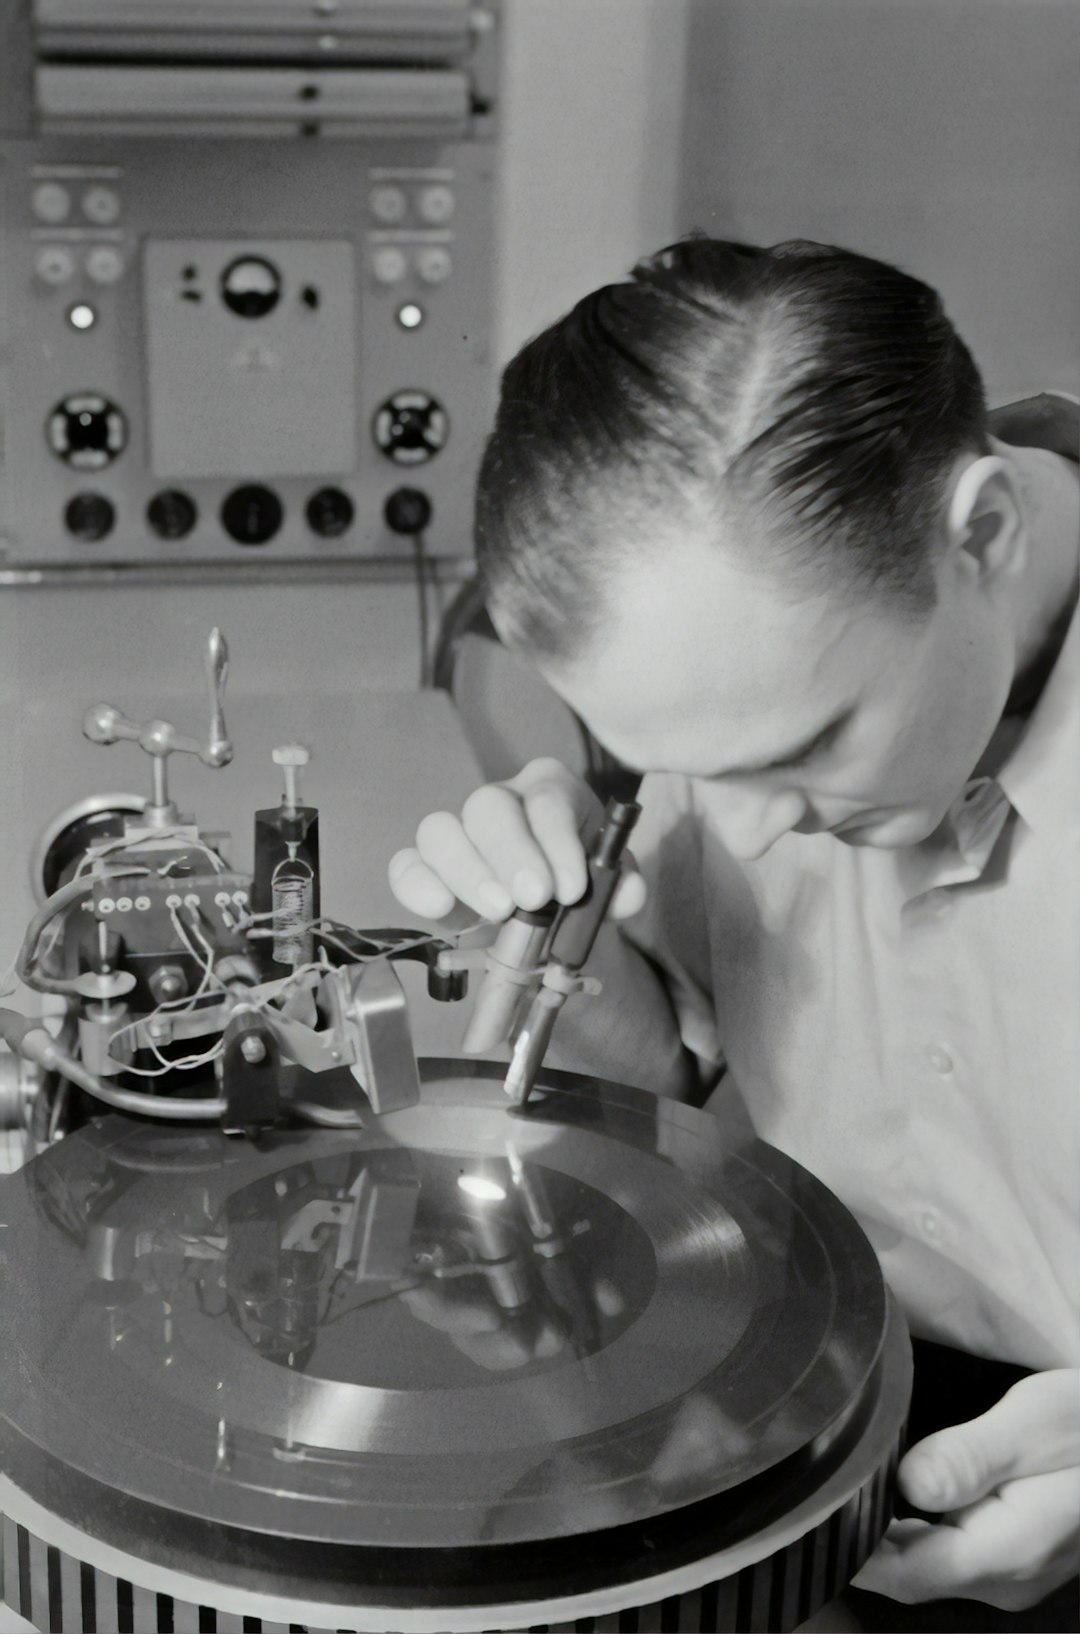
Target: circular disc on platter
x=458, y=1325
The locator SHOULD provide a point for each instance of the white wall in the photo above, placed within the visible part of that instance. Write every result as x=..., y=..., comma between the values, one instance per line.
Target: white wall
x=939, y=134
x=593, y=110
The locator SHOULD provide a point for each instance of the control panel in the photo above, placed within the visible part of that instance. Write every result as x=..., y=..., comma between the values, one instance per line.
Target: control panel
x=239, y=342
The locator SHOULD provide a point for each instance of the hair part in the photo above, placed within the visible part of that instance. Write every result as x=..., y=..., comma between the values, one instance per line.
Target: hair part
x=811, y=401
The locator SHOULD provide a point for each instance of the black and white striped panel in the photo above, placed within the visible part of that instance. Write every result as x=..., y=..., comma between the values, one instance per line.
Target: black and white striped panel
x=55, y=1591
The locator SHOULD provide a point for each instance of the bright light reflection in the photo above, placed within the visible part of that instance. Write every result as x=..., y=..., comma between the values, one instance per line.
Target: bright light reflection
x=82, y=316
x=484, y=1191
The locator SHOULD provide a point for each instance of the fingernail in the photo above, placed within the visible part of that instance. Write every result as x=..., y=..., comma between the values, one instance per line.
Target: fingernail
x=925, y=1486
x=568, y=886
x=529, y=889
x=495, y=900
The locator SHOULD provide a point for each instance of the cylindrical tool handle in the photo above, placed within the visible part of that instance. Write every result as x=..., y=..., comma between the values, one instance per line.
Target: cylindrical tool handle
x=577, y=926
x=512, y=969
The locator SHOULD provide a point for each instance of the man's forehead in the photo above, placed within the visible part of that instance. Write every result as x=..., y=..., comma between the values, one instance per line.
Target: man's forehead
x=695, y=646
x=695, y=617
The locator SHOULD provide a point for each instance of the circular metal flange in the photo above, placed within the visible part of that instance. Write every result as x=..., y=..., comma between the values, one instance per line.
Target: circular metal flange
x=60, y=1576
x=450, y=1362
x=64, y=839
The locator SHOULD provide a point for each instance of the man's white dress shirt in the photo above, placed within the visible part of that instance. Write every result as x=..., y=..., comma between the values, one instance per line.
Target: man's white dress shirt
x=907, y=1025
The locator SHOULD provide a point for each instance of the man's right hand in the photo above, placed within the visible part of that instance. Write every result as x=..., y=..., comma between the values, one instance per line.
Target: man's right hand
x=516, y=844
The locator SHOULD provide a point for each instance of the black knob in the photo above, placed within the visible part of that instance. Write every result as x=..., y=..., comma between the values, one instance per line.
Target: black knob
x=408, y=510
x=87, y=431
x=251, y=286
x=252, y=515
x=411, y=427
x=330, y=513
x=89, y=516
x=172, y=514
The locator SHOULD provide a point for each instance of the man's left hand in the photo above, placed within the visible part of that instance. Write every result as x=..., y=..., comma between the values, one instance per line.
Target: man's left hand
x=1007, y=1488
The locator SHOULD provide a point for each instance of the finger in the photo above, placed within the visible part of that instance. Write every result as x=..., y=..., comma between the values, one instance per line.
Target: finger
x=558, y=806
x=1033, y=1429
x=630, y=893
x=417, y=887
x=496, y=824
x=1009, y=1550
x=447, y=850
x=460, y=1317
x=555, y=822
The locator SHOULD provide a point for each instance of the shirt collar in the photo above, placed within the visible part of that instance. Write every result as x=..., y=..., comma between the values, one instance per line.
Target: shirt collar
x=960, y=847
x=1039, y=780
x=1041, y=777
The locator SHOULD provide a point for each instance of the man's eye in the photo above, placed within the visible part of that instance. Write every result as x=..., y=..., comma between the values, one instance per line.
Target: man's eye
x=815, y=750
x=802, y=759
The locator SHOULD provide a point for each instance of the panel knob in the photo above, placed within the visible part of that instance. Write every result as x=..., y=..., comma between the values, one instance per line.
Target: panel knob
x=330, y=513
x=89, y=517
x=87, y=431
x=411, y=427
x=172, y=514
x=408, y=510
x=252, y=514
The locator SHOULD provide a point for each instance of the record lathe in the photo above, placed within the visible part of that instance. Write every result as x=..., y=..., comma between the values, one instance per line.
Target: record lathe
x=300, y=1333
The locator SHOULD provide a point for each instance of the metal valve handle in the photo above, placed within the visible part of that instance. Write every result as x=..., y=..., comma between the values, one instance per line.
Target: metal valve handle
x=105, y=724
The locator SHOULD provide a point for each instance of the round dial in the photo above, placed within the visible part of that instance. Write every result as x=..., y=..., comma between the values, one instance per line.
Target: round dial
x=172, y=514
x=89, y=516
x=411, y=427
x=87, y=431
x=408, y=510
x=330, y=513
x=252, y=514
x=251, y=286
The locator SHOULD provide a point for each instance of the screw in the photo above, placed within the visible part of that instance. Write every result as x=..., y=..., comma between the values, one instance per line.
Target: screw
x=167, y=983
x=253, y=1049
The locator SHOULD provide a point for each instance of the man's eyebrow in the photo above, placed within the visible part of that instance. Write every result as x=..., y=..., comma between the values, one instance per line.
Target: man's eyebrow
x=801, y=751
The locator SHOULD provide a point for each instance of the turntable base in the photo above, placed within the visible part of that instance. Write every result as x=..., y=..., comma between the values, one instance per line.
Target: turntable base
x=595, y=1365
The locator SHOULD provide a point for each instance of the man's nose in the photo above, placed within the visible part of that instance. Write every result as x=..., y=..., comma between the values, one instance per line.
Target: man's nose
x=752, y=820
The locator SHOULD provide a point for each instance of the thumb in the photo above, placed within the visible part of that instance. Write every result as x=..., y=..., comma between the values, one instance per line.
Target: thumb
x=1033, y=1429
x=630, y=893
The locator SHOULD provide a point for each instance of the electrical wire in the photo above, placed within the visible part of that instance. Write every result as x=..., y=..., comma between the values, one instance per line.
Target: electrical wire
x=122, y=843
x=207, y=962
x=420, y=565
x=183, y=1006
x=168, y=1107
x=26, y=959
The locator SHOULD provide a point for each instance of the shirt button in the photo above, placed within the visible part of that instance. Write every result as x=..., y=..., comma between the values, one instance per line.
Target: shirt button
x=931, y=1224
x=940, y=1059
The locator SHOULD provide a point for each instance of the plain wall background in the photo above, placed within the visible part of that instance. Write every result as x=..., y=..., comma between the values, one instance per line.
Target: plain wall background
x=939, y=134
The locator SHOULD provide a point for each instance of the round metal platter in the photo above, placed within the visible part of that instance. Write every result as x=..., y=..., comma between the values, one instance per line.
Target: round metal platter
x=457, y=1326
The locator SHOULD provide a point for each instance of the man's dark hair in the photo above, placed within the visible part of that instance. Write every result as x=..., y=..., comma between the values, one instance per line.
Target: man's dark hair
x=812, y=399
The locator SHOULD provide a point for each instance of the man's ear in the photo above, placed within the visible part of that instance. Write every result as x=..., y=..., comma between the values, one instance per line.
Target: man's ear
x=985, y=526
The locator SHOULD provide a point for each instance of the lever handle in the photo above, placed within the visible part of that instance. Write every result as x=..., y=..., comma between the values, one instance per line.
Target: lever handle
x=219, y=750
x=102, y=723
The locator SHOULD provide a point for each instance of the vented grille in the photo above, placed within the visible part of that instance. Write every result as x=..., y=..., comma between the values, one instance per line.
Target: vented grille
x=54, y=1590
